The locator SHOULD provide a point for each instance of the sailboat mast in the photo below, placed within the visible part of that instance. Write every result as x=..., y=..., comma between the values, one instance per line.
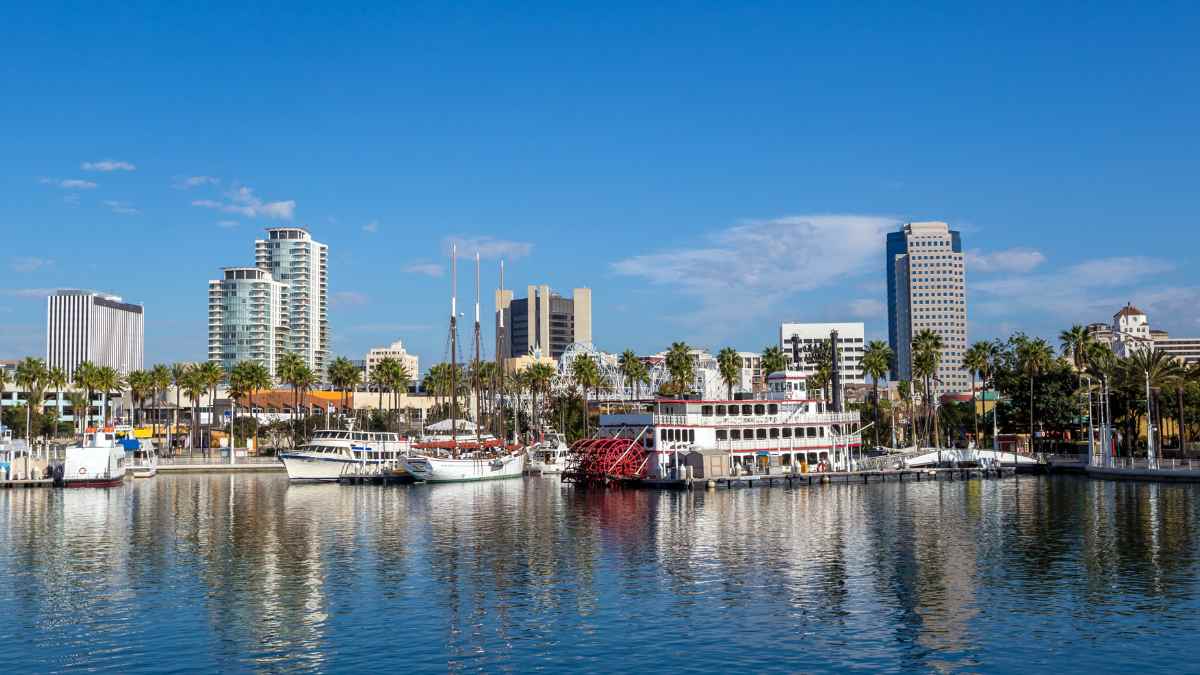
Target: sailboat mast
x=475, y=366
x=453, y=349
x=499, y=359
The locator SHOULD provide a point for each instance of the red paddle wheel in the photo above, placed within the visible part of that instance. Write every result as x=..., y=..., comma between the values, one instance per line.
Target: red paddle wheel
x=601, y=460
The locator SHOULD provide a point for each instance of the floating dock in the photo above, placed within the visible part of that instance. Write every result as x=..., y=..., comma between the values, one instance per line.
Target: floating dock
x=34, y=483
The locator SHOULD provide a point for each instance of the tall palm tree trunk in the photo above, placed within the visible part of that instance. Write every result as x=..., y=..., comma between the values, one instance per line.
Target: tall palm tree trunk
x=975, y=410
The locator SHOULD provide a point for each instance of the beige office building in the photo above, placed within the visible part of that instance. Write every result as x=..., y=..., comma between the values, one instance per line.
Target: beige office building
x=392, y=351
x=542, y=324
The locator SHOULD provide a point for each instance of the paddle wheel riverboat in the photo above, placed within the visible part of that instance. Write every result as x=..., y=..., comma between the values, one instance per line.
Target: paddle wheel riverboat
x=785, y=431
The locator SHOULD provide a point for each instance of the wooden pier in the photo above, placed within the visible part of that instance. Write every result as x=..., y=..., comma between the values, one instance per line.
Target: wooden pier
x=815, y=478
x=34, y=483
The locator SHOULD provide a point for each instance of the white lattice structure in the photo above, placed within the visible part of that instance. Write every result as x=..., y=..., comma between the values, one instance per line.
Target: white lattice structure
x=707, y=378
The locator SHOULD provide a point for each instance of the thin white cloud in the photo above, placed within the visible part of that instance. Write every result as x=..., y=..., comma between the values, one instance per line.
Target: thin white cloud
x=188, y=182
x=371, y=227
x=242, y=201
x=227, y=224
x=867, y=308
x=489, y=248
x=1018, y=259
x=107, y=165
x=1087, y=291
x=29, y=264
x=123, y=208
x=26, y=292
x=347, y=298
x=428, y=269
x=387, y=328
x=749, y=269
x=69, y=183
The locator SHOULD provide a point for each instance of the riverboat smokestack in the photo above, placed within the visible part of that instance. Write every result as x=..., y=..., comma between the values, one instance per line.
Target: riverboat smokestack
x=835, y=371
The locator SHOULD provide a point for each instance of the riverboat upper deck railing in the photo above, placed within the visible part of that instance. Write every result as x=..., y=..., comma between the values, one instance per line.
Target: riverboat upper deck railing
x=744, y=420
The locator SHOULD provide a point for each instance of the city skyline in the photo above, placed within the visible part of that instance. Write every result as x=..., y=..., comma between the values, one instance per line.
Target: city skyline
x=680, y=184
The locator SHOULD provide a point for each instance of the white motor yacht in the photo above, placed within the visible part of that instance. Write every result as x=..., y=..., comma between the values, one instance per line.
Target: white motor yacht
x=337, y=453
x=548, y=456
x=99, y=461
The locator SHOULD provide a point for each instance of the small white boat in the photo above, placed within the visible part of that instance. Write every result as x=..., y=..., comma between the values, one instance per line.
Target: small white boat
x=468, y=466
x=145, y=460
x=99, y=461
x=548, y=456
x=334, y=453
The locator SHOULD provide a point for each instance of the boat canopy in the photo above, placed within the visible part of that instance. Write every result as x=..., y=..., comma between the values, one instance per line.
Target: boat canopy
x=448, y=425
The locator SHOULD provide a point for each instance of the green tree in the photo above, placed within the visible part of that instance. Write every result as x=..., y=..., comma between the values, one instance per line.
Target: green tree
x=729, y=365
x=538, y=377
x=876, y=360
x=681, y=368
x=345, y=377
x=31, y=376
x=773, y=360
x=1036, y=357
x=927, y=357
x=160, y=380
x=977, y=361
x=586, y=375
x=179, y=373
x=138, y=382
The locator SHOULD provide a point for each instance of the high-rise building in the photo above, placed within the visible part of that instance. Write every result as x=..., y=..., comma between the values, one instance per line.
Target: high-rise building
x=795, y=339
x=543, y=323
x=392, y=351
x=294, y=259
x=927, y=289
x=97, y=327
x=247, y=318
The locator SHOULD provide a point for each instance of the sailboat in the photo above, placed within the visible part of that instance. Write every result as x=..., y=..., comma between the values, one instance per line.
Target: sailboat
x=442, y=460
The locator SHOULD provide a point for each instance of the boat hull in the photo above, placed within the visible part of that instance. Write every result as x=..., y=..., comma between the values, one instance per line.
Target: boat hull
x=93, y=482
x=447, y=470
x=302, y=467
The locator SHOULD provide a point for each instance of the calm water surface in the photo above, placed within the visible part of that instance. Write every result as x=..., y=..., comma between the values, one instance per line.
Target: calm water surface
x=248, y=573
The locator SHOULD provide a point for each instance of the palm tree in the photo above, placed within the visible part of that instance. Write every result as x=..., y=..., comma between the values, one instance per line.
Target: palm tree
x=160, y=379
x=773, y=360
x=211, y=374
x=1035, y=357
x=303, y=380
x=192, y=384
x=630, y=366
x=681, y=367
x=977, y=360
x=1156, y=370
x=927, y=357
x=729, y=365
x=287, y=369
x=344, y=376
x=396, y=379
x=539, y=375
x=85, y=379
x=904, y=390
x=255, y=379
x=107, y=380
x=379, y=377
x=179, y=373
x=1074, y=343
x=57, y=380
x=139, y=386
x=31, y=376
x=876, y=360
x=586, y=374
x=79, y=406
x=819, y=356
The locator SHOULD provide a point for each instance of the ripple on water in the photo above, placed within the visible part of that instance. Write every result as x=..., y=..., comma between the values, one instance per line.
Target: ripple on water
x=204, y=573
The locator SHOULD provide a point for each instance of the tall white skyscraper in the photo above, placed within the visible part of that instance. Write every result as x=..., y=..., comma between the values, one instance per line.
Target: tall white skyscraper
x=247, y=318
x=90, y=326
x=927, y=289
x=294, y=259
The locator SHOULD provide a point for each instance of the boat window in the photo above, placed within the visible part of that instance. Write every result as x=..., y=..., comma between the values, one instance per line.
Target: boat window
x=821, y=432
x=722, y=435
x=663, y=434
x=787, y=432
x=773, y=409
x=759, y=409
x=812, y=432
x=748, y=434
x=691, y=435
x=774, y=432
x=706, y=410
x=747, y=409
x=720, y=410
x=734, y=434
x=761, y=434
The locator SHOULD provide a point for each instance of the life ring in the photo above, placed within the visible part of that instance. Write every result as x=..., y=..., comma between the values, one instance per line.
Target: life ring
x=83, y=471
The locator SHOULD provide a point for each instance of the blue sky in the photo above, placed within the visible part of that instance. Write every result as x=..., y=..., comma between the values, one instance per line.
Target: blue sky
x=707, y=169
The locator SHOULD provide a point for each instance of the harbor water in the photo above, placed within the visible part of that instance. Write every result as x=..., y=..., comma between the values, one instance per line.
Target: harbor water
x=243, y=573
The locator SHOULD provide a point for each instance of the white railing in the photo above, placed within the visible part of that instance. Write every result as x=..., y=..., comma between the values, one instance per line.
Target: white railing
x=783, y=444
x=751, y=420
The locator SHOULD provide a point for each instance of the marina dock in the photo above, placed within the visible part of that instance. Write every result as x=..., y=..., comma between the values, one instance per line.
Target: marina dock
x=34, y=483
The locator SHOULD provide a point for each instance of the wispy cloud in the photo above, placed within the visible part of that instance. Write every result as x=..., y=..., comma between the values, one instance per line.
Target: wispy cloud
x=386, y=328
x=26, y=292
x=867, y=308
x=29, y=264
x=426, y=268
x=749, y=269
x=489, y=248
x=1009, y=260
x=123, y=208
x=242, y=201
x=108, y=165
x=348, y=298
x=371, y=227
x=227, y=224
x=69, y=183
x=188, y=182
